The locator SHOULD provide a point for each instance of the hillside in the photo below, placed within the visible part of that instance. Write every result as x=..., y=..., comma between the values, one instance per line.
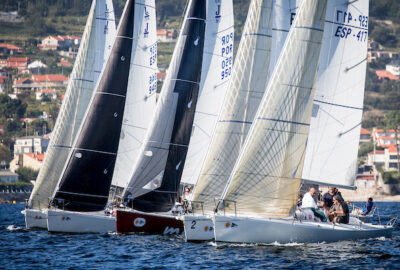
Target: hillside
x=44, y=17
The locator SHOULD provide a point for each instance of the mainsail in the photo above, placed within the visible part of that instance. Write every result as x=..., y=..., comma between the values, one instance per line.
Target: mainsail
x=331, y=157
x=216, y=75
x=95, y=47
x=158, y=170
x=266, y=179
x=85, y=181
x=246, y=90
x=139, y=105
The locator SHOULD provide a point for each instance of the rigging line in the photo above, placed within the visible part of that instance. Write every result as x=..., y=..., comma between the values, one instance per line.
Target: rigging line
x=309, y=28
x=359, y=63
x=224, y=30
x=205, y=133
x=339, y=105
x=204, y=113
x=81, y=79
x=235, y=121
x=347, y=131
x=330, y=115
x=81, y=194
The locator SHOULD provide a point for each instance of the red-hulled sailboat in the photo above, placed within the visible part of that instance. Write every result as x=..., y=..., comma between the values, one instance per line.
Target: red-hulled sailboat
x=152, y=191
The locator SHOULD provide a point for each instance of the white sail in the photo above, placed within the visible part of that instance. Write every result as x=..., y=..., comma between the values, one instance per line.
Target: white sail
x=331, y=157
x=266, y=179
x=94, y=49
x=283, y=16
x=140, y=104
x=216, y=77
x=244, y=95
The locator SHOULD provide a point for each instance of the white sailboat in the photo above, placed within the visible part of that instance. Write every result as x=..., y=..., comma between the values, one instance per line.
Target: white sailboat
x=95, y=48
x=265, y=31
x=262, y=205
x=191, y=96
x=126, y=91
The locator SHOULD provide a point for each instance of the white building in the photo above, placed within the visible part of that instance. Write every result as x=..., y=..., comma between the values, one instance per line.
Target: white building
x=30, y=144
x=387, y=159
x=8, y=177
x=394, y=67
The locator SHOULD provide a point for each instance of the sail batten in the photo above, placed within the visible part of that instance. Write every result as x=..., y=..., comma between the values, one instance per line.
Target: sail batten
x=93, y=52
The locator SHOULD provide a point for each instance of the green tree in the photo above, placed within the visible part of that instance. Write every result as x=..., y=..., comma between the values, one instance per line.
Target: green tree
x=5, y=153
x=26, y=174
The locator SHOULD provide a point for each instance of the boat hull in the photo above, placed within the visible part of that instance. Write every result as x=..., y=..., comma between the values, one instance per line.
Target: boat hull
x=79, y=222
x=267, y=231
x=35, y=219
x=198, y=228
x=131, y=221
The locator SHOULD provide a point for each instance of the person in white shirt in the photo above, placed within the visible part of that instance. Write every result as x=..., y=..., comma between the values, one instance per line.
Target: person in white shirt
x=309, y=203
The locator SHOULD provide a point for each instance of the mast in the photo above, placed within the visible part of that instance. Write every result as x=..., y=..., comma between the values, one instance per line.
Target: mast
x=266, y=178
x=331, y=157
x=94, y=49
x=158, y=170
x=85, y=182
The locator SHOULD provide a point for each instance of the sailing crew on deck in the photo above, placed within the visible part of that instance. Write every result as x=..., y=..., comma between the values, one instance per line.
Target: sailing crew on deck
x=309, y=203
x=337, y=192
x=187, y=198
x=339, y=212
x=368, y=206
x=327, y=199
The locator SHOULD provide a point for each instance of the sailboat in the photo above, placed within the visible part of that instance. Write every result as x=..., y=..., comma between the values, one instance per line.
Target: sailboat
x=200, y=70
x=79, y=201
x=244, y=95
x=94, y=49
x=265, y=31
x=263, y=187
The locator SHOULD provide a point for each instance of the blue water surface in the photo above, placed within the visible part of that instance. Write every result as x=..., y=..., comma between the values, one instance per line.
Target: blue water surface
x=23, y=249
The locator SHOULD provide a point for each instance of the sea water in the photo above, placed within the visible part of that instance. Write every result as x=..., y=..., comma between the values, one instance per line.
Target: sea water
x=24, y=249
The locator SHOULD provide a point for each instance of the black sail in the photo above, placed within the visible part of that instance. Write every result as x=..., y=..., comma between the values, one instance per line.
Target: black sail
x=85, y=183
x=187, y=83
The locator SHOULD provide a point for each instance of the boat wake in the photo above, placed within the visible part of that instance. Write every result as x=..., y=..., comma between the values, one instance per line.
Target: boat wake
x=13, y=228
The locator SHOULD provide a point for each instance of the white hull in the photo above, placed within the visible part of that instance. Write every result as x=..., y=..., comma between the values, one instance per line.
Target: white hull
x=267, y=231
x=198, y=228
x=35, y=219
x=79, y=222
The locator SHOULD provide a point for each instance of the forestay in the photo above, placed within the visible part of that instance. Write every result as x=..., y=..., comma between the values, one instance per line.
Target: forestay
x=216, y=76
x=266, y=179
x=158, y=171
x=141, y=95
x=331, y=157
x=94, y=49
x=85, y=181
x=247, y=87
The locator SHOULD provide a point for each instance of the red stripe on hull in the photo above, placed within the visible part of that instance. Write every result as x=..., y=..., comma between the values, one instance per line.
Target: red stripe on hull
x=129, y=221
